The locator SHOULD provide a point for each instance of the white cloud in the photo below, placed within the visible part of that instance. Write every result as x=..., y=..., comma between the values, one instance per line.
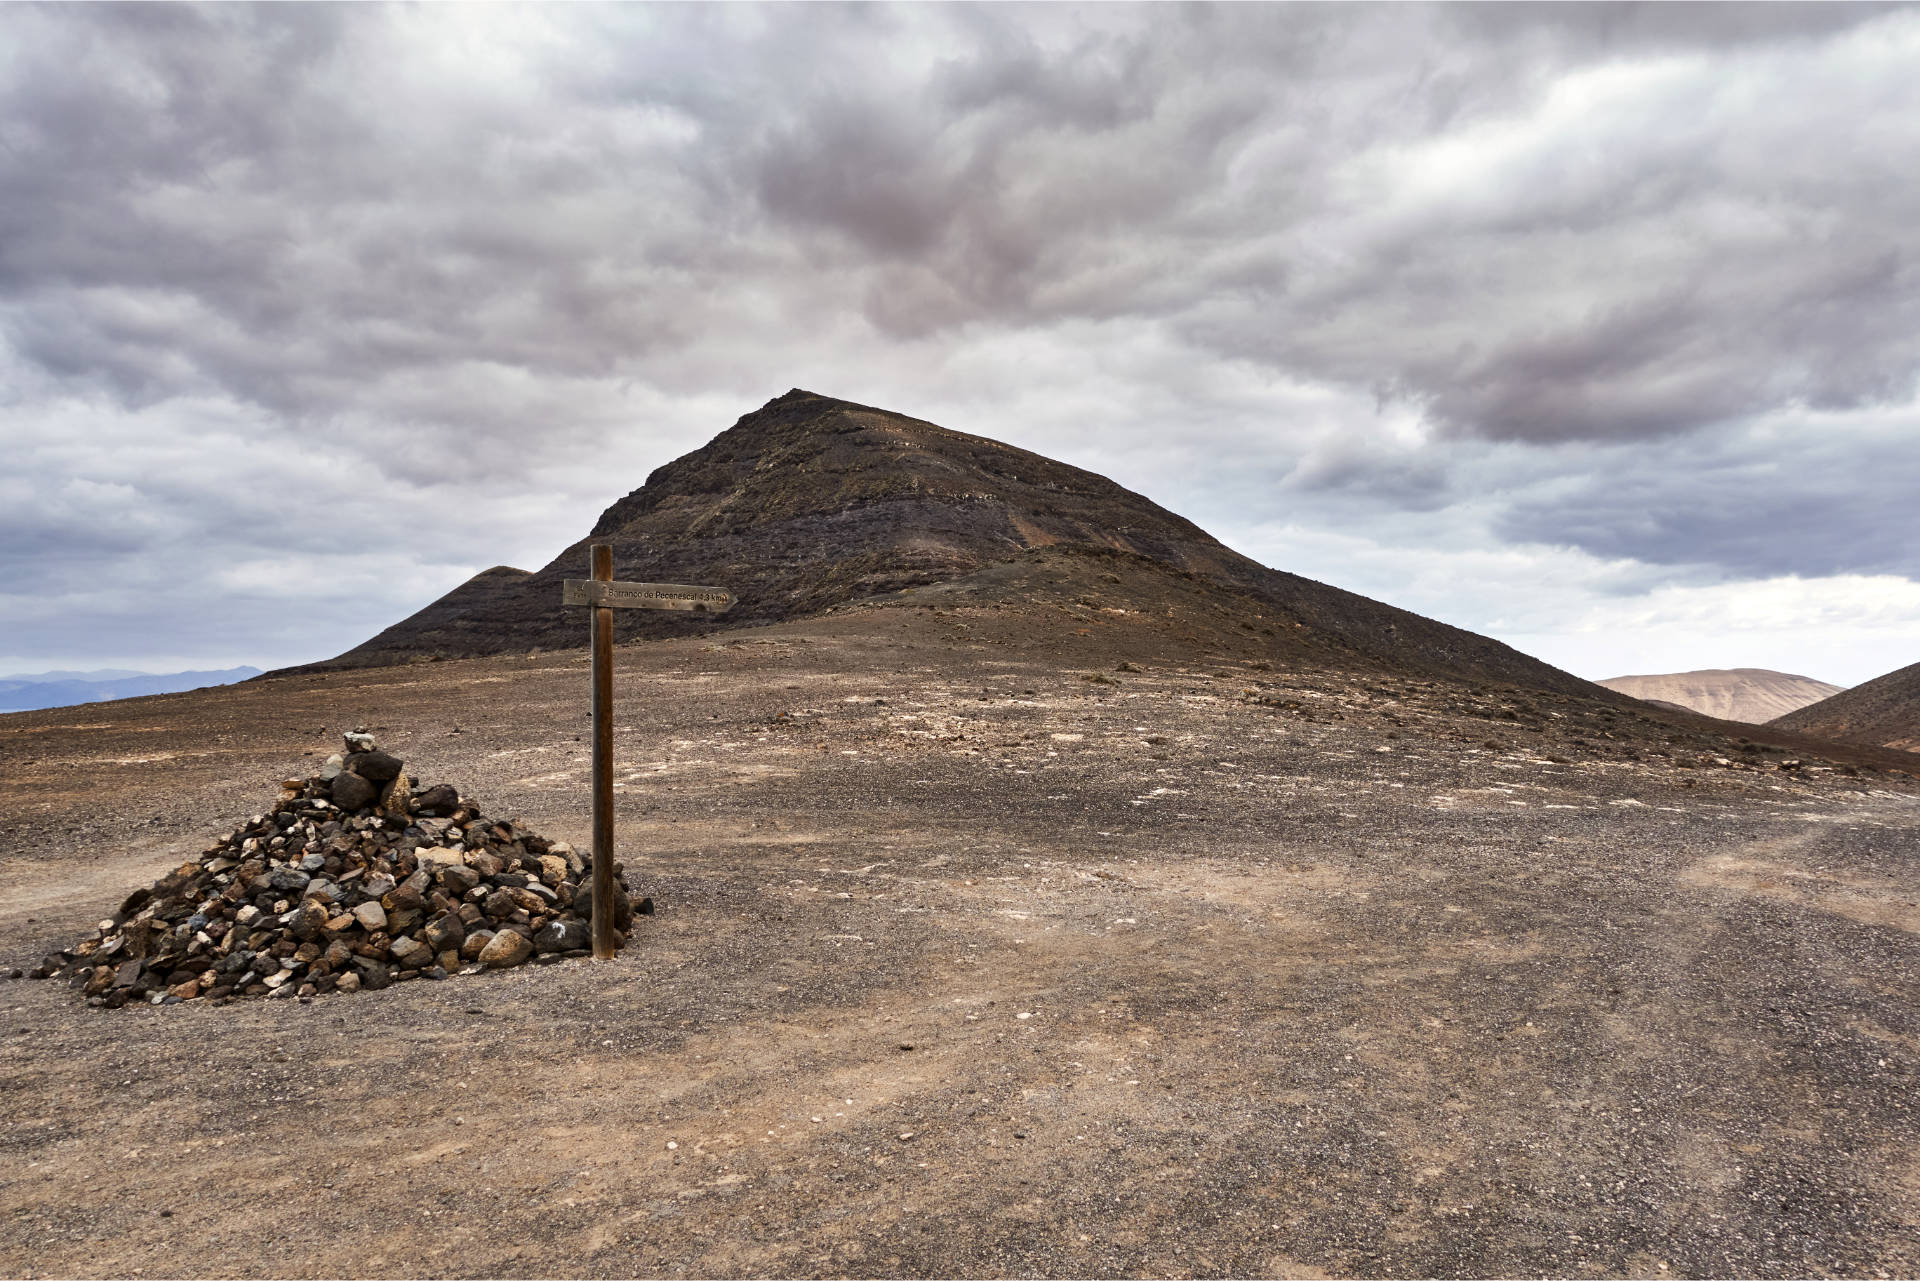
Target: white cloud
x=1846, y=629
x=1600, y=618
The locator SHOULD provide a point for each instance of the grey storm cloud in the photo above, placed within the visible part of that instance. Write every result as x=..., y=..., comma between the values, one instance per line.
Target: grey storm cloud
x=1810, y=501
x=450, y=243
x=293, y=203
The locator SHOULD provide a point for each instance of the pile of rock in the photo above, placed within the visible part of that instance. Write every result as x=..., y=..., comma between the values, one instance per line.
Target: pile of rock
x=356, y=879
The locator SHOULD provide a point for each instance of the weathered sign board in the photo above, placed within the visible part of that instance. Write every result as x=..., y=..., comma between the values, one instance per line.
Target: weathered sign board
x=602, y=595
x=589, y=591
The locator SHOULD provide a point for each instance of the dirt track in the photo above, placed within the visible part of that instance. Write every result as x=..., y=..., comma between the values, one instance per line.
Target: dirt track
x=968, y=965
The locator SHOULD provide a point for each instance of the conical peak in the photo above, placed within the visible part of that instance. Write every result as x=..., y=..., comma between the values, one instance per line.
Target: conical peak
x=803, y=452
x=800, y=413
x=810, y=502
x=797, y=396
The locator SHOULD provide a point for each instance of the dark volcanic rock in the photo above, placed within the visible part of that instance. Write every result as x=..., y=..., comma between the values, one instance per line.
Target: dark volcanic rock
x=622, y=903
x=810, y=503
x=351, y=792
x=378, y=766
x=563, y=935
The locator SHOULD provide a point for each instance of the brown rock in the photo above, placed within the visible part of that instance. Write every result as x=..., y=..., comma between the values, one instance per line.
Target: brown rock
x=443, y=933
x=139, y=937
x=439, y=857
x=458, y=880
x=411, y=953
x=505, y=949
x=403, y=898
x=308, y=922
x=396, y=797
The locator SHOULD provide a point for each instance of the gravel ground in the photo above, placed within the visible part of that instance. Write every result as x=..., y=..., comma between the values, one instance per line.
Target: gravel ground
x=977, y=956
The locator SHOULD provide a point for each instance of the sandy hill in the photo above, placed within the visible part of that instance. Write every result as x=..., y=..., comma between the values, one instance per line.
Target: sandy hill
x=1750, y=694
x=811, y=503
x=1884, y=712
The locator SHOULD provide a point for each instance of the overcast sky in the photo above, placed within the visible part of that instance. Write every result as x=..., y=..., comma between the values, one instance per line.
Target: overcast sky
x=1593, y=328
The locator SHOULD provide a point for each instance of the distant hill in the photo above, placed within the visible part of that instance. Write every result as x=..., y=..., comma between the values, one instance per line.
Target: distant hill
x=1750, y=694
x=1884, y=712
x=97, y=674
x=811, y=503
x=64, y=689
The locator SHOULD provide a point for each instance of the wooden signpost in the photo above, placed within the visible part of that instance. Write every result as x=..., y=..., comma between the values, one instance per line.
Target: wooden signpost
x=603, y=596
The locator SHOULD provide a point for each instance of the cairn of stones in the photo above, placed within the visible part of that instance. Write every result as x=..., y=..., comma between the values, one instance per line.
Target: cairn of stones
x=356, y=879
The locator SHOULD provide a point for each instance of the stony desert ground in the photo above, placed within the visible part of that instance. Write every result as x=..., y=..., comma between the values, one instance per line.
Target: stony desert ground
x=977, y=956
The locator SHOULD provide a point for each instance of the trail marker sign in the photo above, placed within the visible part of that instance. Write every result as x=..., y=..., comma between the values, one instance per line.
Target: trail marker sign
x=591, y=591
x=601, y=594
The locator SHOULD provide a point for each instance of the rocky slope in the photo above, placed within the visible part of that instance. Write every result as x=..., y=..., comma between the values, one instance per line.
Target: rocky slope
x=811, y=503
x=1750, y=694
x=1884, y=712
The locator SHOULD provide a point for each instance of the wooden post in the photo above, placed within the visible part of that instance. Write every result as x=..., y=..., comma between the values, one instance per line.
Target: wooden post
x=601, y=595
x=602, y=571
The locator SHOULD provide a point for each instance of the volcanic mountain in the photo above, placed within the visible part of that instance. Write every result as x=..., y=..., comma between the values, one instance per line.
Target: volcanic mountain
x=810, y=504
x=1884, y=712
x=1749, y=694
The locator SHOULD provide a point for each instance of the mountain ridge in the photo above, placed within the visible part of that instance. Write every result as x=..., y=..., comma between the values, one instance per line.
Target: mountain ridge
x=26, y=693
x=811, y=503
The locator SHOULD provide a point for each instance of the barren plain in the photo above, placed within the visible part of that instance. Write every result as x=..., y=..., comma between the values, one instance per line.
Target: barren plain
x=980, y=952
